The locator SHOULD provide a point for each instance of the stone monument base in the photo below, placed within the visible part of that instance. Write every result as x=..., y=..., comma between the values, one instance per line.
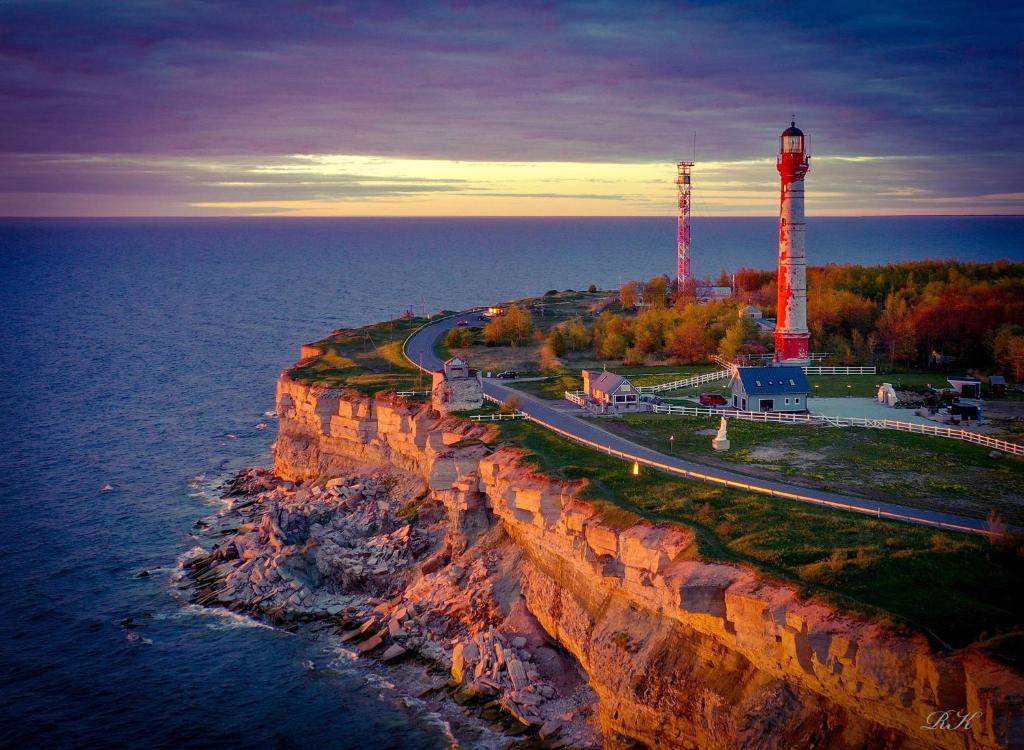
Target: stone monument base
x=720, y=444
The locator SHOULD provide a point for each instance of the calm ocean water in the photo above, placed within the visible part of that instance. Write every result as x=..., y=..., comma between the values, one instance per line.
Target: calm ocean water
x=143, y=353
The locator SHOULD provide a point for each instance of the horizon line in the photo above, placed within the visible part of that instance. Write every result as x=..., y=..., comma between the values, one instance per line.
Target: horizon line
x=507, y=216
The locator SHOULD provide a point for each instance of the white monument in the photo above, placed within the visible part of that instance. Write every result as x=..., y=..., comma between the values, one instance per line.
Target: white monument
x=721, y=440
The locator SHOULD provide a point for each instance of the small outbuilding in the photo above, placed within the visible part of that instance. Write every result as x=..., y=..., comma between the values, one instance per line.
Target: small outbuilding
x=749, y=312
x=966, y=386
x=457, y=387
x=609, y=393
x=783, y=388
x=996, y=386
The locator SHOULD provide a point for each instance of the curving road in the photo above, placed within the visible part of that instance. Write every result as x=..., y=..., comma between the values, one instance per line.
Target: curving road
x=419, y=349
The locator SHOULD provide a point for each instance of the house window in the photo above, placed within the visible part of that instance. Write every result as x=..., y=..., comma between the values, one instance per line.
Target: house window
x=757, y=383
x=619, y=399
x=796, y=400
x=787, y=400
x=631, y=397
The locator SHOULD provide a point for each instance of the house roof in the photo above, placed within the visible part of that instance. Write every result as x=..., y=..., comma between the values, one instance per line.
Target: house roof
x=767, y=380
x=456, y=361
x=606, y=382
x=962, y=379
x=996, y=380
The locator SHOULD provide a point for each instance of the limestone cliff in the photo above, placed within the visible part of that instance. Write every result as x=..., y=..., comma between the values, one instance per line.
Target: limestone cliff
x=681, y=652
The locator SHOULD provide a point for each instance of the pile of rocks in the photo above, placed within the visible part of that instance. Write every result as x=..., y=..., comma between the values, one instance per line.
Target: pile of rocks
x=296, y=553
x=338, y=553
x=493, y=664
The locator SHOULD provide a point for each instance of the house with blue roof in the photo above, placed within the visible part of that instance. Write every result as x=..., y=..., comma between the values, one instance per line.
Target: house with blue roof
x=783, y=388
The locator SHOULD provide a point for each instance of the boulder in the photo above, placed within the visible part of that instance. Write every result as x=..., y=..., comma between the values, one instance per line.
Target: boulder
x=371, y=643
x=517, y=674
x=550, y=729
x=392, y=653
x=458, y=662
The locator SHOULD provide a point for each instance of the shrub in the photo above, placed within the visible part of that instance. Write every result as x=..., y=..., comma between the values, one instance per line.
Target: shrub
x=511, y=404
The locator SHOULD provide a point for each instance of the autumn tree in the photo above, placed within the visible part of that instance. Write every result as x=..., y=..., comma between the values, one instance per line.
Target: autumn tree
x=686, y=342
x=735, y=337
x=576, y=335
x=513, y=327
x=656, y=292
x=627, y=295
x=896, y=329
x=557, y=342
x=459, y=338
x=1008, y=350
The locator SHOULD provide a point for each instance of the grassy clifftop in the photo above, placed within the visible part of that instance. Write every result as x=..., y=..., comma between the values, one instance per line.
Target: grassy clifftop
x=367, y=359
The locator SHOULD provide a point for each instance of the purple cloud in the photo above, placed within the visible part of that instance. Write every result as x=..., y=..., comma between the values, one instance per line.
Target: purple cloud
x=511, y=81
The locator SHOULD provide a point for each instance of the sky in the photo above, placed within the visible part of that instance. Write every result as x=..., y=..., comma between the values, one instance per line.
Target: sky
x=197, y=108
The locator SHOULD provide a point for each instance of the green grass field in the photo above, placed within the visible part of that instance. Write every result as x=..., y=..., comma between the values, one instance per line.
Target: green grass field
x=955, y=586
x=917, y=470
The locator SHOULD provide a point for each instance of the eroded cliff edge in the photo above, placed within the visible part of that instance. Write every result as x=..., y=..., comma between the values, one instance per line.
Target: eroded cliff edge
x=681, y=652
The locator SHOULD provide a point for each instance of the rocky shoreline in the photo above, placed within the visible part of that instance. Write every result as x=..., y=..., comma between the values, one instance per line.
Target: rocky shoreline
x=374, y=557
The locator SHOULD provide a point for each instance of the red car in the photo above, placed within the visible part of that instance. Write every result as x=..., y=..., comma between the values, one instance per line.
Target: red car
x=462, y=323
x=712, y=399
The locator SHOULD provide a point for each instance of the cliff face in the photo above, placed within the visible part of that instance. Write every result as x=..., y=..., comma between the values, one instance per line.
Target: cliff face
x=681, y=653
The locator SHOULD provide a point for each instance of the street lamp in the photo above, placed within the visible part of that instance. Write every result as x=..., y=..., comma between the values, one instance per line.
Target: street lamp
x=671, y=443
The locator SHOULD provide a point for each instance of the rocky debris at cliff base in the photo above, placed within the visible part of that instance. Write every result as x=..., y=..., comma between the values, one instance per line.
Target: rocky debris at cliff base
x=339, y=553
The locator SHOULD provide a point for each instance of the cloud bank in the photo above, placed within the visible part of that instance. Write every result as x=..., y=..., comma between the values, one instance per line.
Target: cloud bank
x=199, y=107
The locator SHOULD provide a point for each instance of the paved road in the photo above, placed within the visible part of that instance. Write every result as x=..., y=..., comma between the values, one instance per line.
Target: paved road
x=419, y=349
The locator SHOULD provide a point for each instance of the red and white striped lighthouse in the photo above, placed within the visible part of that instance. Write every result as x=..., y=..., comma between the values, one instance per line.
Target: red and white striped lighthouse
x=792, y=339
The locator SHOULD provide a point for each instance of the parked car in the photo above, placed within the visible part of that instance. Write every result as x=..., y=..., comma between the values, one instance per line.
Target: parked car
x=650, y=398
x=462, y=323
x=482, y=317
x=712, y=399
x=508, y=375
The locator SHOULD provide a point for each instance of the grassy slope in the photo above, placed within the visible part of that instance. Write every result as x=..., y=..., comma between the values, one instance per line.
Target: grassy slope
x=955, y=586
x=368, y=359
x=919, y=470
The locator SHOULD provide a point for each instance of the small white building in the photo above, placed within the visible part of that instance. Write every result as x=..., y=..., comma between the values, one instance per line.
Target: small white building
x=750, y=312
x=609, y=393
x=783, y=388
x=457, y=387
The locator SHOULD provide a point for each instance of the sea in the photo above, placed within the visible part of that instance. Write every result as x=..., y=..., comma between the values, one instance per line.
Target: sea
x=139, y=355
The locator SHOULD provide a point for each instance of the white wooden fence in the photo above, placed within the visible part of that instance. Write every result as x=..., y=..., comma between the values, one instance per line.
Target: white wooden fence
x=499, y=417
x=820, y=420
x=840, y=370
x=577, y=397
x=769, y=358
x=690, y=382
x=412, y=393
x=808, y=369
